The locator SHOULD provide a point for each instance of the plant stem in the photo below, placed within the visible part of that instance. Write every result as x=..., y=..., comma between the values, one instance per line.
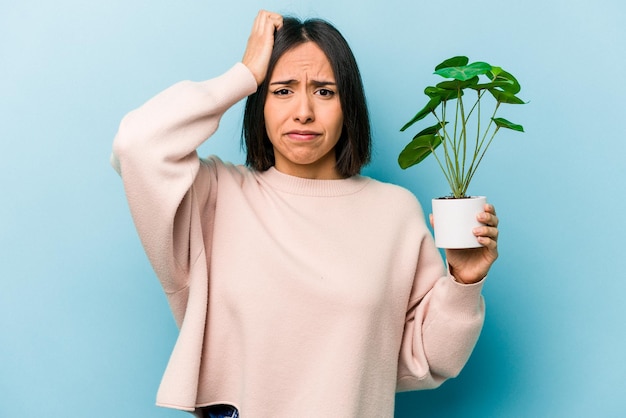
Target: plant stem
x=463, y=144
x=445, y=139
x=471, y=174
x=448, y=148
x=474, y=167
x=480, y=95
x=478, y=108
x=445, y=172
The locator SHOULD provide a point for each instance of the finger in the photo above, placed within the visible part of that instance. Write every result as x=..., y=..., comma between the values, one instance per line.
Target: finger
x=486, y=232
x=277, y=20
x=489, y=244
x=488, y=237
x=268, y=20
x=488, y=219
x=266, y=23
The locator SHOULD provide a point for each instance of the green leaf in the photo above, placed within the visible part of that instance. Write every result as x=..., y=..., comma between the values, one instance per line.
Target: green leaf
x=505, y=97
x=430, y=107
x=417, y=150
x=494, y=71
x=453, y=62
x=443, y=94
x=503, y=123
x=455, y=85
x=506, y=81
x=431, y=130
x=503, y=85
x=465, y=72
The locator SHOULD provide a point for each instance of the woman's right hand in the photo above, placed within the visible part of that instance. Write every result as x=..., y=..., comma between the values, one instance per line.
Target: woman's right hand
x=260, y=43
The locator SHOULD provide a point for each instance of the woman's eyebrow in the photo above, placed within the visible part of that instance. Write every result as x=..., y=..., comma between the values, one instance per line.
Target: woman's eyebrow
x=322, y=83
x=316, y=83
x=286, y=82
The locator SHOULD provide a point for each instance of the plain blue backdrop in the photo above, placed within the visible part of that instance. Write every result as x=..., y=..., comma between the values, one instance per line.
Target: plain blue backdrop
x=84, y=327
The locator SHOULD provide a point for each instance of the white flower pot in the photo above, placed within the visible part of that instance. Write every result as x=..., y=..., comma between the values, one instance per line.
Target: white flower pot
x=455, y=219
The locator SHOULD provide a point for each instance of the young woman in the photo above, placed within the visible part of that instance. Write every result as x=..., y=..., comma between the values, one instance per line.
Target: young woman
x=301, y=288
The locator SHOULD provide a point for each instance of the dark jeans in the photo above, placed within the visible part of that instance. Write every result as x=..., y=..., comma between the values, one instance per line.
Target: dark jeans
x=220, y=411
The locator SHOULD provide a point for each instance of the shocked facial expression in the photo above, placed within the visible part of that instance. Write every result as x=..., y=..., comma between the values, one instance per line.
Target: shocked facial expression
x=303, y=115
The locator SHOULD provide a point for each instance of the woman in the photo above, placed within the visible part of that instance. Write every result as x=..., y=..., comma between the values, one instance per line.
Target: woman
x=301, y=288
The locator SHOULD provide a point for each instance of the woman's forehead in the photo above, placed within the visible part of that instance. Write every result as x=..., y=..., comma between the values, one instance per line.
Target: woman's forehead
x=305, y=59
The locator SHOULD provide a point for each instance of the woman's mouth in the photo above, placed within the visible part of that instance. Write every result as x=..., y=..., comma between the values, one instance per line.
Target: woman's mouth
x=302, y=135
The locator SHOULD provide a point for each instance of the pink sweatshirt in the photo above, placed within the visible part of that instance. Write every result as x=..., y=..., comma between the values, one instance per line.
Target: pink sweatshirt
x=294, y=297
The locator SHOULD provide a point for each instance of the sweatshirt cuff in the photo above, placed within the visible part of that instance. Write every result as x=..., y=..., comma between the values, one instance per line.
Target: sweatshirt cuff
x=463, y=299
x=240, y=78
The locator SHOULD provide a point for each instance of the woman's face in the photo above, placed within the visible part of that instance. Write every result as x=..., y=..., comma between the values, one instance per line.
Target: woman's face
x=303, y=116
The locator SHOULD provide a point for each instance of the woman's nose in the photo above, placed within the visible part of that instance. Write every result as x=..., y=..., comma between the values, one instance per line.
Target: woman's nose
x=303, y=111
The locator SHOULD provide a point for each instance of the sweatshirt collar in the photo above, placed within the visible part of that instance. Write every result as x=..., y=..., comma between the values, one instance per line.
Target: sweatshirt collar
x=312, y=187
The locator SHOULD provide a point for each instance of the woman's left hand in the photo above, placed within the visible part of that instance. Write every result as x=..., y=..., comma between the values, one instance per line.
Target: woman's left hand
x=471, y=265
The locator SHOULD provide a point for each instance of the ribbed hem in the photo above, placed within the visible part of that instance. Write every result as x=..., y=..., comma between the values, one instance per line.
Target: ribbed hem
x=312, y=187
x=232, y=86
x=463, y=299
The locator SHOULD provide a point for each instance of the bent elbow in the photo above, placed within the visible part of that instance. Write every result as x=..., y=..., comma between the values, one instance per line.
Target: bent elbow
x=130, y=141
x=127, y=135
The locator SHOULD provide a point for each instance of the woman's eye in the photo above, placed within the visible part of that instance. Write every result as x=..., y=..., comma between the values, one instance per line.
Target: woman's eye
x=281, y=92
x=325, y=92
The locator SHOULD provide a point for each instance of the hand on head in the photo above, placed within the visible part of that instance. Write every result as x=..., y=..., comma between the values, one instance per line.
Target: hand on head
x=260, y=43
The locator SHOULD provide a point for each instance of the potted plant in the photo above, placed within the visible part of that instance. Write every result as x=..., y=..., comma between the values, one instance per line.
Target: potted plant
x=464, y=129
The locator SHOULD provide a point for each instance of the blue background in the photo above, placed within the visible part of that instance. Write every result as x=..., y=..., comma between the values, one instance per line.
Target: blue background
x=84, y=327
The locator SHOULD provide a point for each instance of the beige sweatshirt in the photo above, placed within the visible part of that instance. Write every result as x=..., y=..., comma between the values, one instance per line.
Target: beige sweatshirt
x=294, y=297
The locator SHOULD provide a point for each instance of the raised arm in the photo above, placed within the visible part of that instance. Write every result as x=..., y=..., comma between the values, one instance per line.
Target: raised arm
x=155, y=153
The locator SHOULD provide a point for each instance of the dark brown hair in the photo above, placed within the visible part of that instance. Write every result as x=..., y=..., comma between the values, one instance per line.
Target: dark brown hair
x=354, y=146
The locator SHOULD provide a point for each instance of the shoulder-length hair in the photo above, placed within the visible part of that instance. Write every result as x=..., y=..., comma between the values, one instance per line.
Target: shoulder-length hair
x=353, y=149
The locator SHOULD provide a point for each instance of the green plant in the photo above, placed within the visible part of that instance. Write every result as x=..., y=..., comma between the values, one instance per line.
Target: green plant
x=461, y=154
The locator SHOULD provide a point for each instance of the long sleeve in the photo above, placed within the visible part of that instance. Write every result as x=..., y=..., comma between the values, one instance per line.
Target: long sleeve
x=171, y=194
x=442, y=325
x=155, y=153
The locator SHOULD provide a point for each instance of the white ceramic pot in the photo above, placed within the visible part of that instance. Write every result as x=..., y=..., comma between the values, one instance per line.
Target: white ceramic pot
x=454, y=221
